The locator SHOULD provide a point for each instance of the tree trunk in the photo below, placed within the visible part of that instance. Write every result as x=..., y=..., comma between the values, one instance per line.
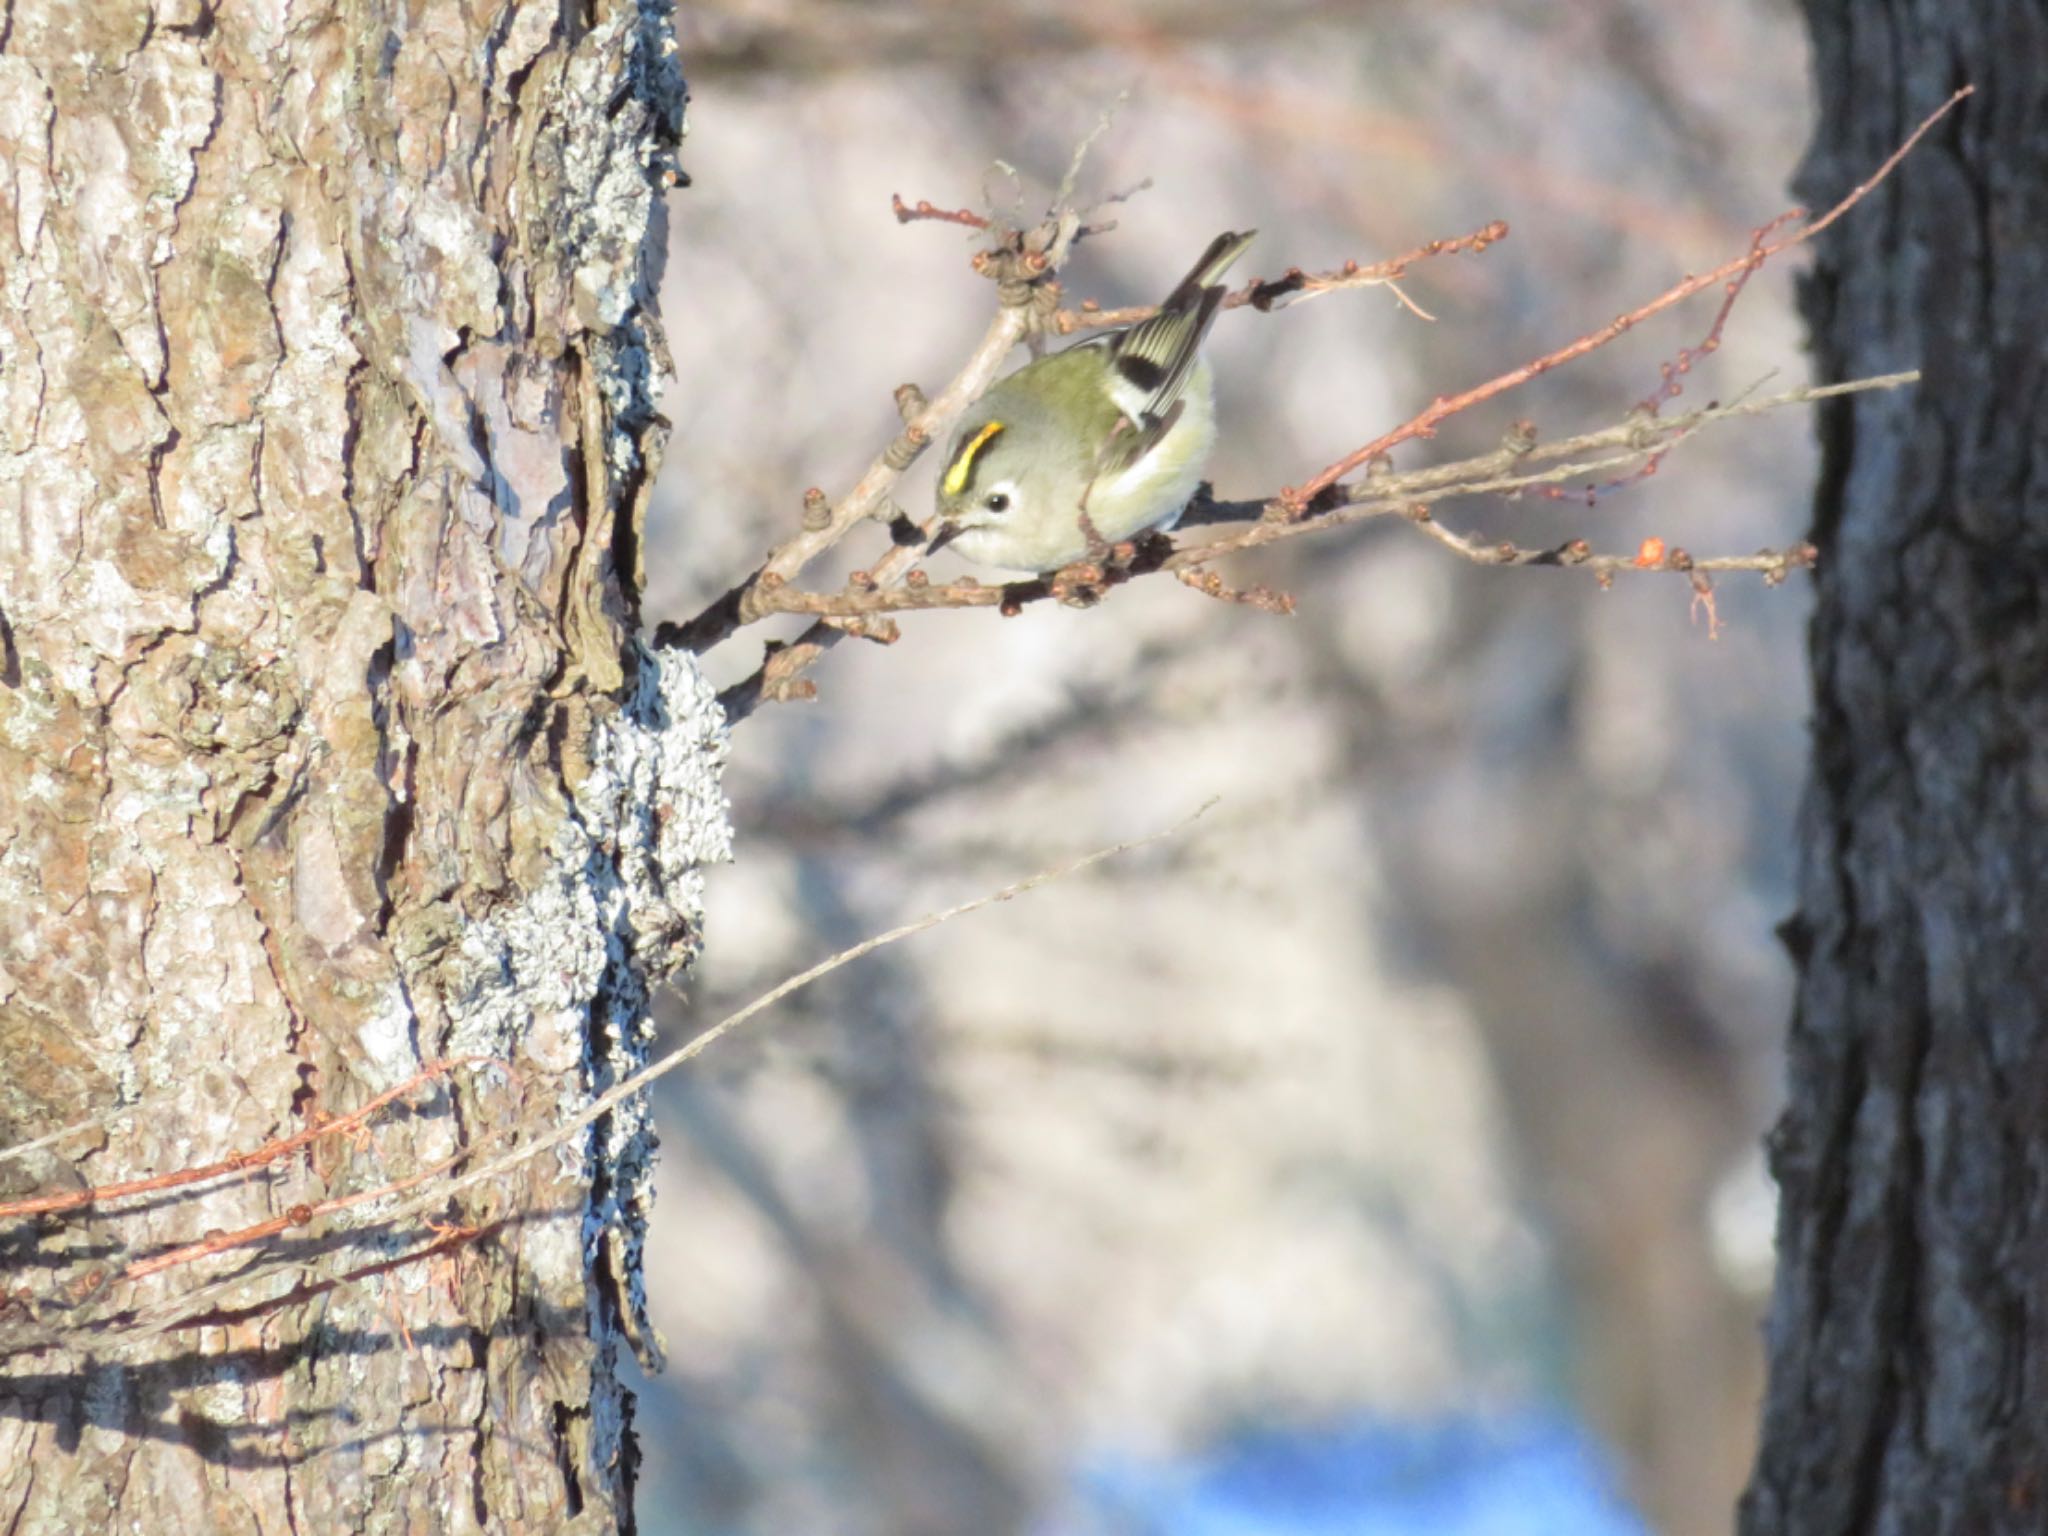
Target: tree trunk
x=1909, y=1336
x=327, y=364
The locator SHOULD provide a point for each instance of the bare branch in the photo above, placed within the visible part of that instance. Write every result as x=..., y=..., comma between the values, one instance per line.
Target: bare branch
x=1020, y=263
x=1496, y=473
x=1324, y=500
x=1523, y=465
x=1294, y=500
x=1294, y=285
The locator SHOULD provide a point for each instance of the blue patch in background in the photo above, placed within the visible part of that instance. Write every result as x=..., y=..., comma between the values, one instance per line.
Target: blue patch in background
x=1524, y=1475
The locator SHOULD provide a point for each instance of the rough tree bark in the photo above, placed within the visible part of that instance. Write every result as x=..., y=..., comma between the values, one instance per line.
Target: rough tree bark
x=1909, y=1335
x=325, y=748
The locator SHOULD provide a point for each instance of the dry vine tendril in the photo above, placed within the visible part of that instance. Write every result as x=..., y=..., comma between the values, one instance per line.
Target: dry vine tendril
x=1024, y=264
x=102, y=1300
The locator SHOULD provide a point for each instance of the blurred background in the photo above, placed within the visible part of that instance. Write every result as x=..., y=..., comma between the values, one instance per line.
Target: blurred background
x=1381, y=1154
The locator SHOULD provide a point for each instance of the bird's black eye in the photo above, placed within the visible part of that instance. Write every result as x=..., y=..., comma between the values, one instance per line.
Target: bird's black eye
x=996, y=501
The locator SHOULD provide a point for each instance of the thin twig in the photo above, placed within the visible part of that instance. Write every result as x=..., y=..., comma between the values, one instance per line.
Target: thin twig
x=1063, y=197
x=296, y=1216
x=1522, y=466
x=1020, y=266
x=1323, y=501
x=240, y=1162
x=1651, y=555
x=1378, y=495
x=76, y=1127
x=1294, y=500
x=905, y=214
x=175, y=1313
x=606, y=1102
x=1294, y=285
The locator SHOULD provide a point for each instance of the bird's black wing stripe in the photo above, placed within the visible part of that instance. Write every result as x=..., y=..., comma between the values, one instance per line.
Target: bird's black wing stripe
x=1166, y=345
x=1142, y=372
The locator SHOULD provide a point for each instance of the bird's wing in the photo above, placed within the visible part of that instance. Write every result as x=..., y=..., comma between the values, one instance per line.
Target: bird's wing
x=1150, y=363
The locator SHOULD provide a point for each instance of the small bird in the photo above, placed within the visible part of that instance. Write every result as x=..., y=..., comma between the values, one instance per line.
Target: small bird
x=1114, y=430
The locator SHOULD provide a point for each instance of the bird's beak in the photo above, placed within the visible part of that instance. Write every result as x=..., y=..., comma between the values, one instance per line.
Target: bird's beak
x=948, y=532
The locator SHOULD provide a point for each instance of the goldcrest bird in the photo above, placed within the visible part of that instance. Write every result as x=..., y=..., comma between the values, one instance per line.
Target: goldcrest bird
x=1116, y=428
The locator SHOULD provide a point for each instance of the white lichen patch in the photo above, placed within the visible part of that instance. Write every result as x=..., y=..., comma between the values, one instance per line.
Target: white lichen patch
x=613, y=170
x=562, y=977
x=657, y=777
x=626, y=908
x=543, y=954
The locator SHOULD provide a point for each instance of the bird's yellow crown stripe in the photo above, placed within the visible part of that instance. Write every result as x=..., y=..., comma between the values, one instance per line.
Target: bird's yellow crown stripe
x=963, y=462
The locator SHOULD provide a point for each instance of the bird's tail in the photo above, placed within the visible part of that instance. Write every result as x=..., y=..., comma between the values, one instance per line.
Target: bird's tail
x=1217, y=260
x=1154, y=358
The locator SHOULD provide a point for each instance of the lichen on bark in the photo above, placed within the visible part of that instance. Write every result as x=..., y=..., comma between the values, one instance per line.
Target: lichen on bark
x=327, y=360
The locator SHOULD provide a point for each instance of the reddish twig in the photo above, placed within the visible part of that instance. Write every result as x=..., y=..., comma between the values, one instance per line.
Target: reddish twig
x=905, y=214
x=1295, y=500
x=1522, y=465
x=1210, y=584
x=240, y=1162
x=1673, y=382
x=298, y=1216
x=1294, y=285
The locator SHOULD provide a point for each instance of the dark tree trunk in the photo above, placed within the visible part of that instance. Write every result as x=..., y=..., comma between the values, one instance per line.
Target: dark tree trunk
x=1909, y=1336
